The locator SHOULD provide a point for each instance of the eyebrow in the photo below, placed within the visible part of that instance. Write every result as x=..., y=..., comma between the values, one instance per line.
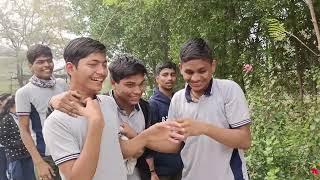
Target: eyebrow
x=96, y=60
x=134, y=82
x=44, y=59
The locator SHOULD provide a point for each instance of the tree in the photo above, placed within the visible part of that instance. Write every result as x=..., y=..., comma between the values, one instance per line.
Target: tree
x=26, y=22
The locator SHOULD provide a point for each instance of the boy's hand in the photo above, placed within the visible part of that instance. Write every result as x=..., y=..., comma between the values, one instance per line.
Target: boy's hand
x=128, y=131
x=44, y=170
x=91, y=110
x=192, y=127
x=169, y=130
x=66, y=101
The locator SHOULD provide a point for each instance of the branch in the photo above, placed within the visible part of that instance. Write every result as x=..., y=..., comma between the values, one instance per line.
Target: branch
x=316, y=54
x=314, y=21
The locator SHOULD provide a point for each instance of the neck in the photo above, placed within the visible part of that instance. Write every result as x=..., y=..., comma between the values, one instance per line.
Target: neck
x=83, y=92
x=166, y=92
x=128, y=108
x=196, y=95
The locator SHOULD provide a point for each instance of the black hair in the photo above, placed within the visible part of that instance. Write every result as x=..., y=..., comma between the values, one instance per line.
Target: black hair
x=38, y=50
x=126, y=65
x=167, y=64
x=4, y=96
x=196, y=48
x=80, y=48
x=8, y=104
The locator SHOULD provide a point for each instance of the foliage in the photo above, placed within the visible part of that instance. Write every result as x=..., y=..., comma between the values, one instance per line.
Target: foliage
x=285, y=141
x=27, y=22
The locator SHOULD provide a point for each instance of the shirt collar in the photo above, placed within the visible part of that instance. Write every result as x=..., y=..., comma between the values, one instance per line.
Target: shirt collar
x=207, y=92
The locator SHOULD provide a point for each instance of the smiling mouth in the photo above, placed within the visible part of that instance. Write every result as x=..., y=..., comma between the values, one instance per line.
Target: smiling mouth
x=98, y=79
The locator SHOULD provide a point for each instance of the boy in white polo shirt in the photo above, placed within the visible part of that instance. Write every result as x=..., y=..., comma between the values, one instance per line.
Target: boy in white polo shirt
x=88, y=146
x=215, y=117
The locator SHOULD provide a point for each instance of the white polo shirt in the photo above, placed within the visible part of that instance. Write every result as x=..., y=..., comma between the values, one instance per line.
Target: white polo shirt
x=65, y=137
x=223, y=105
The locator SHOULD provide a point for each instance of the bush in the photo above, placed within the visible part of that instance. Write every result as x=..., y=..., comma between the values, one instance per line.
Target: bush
x=285, y=135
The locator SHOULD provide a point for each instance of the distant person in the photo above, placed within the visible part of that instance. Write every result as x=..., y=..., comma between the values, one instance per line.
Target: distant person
x=32, y=104
x=167, y=166
x=20, y=166
x=3, y=159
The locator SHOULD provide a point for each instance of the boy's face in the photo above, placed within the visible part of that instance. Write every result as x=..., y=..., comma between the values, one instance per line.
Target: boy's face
x=90, y=73
x=197, y=73
x=42, y=67
x=130, y=89
x=166, y=78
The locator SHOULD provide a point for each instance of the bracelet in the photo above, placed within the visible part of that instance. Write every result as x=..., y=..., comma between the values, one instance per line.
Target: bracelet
x=152, y=171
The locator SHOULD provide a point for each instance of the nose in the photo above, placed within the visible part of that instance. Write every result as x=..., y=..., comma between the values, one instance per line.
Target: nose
x=138, y=89
x=195, y=77
x=101, y=69
x=47, y=63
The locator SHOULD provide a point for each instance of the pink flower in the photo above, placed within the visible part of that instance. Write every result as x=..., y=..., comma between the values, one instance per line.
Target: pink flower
x=314, y=171
x=247, y=68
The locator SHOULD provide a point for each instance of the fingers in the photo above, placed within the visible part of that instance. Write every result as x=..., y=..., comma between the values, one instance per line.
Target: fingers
x=52, y=171
x=75, y=94
x=176, y=136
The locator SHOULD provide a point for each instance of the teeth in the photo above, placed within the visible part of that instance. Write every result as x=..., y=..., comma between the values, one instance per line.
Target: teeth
x=97, y=79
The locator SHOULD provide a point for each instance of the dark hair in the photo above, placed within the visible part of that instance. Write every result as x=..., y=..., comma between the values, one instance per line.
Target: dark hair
x=10, y=102
x=196, y=48
x=38, y=50
x=126, y=65
x=4, y=96
x=80, y=48
x=167, y=64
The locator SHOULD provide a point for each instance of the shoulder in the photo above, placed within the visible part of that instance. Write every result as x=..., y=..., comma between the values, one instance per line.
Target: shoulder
x=24, y=89
x=179, y=95
x=106, y=100
x=61, y=81
x=225, y=85
x=57, y=120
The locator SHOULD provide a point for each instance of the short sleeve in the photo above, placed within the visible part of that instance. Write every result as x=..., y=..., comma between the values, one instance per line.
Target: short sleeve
x=237, y=110
x=59, y=140
x=173, y=108
x=23, y=104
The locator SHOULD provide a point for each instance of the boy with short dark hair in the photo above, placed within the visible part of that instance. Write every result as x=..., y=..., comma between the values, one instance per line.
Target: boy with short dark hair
x=167, y=166
x=214, y=115
x=31, y=106
x=88, y=146
x=127, y=75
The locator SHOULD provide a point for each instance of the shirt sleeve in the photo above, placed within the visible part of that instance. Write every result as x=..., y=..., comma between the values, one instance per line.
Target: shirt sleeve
x=237, y=110
x=173, y=108
x=60, y=142
x=23, y=104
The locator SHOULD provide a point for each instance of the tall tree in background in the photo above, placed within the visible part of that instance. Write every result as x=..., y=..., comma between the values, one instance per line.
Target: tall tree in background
x=26, y=22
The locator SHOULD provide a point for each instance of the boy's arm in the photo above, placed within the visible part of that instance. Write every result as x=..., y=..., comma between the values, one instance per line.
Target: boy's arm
x=235, y=138
x=161, y=137
x=85, y=166
x=43, y=169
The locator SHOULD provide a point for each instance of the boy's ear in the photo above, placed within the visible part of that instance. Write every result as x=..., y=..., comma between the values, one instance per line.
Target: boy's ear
x=69, y=67
x=213, y=65
x=180, y=67
x=30, y=67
